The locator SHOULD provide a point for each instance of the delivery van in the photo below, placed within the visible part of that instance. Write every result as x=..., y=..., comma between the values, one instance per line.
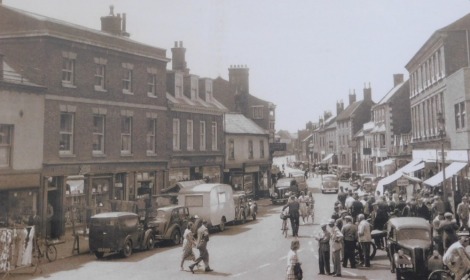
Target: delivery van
x=212, y=202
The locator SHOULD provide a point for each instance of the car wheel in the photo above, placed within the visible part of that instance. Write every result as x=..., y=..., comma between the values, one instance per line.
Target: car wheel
x=127, y=250
x=99, y=255
x=398, y=274
x=222, y=225
x=176, y=237
x=150, y=243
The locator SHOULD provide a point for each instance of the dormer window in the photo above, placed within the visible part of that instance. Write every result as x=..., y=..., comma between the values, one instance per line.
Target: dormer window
x=194, y=88
x=208, y=90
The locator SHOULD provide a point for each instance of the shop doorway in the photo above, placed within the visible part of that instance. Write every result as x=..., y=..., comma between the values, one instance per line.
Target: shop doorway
x=55, y=226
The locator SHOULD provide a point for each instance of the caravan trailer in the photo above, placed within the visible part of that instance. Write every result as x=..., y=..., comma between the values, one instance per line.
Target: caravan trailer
x=212, y=202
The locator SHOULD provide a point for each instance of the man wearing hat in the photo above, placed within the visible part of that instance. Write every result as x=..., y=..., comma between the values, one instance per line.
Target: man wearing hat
x=448, y=228
x=365, y=238
x=294, y=214
x=323, y=239
x=342, y=196
x=456, y=258
x=436, y=234
x=349, y=232
x=463, y=211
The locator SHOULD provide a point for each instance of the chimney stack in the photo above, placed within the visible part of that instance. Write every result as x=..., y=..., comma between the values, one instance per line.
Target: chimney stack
x=238, y=76
x=397, y=79
x=339, y=107
x=367, y=93
x=352, y=97
x=114, y=24
x=179, y=57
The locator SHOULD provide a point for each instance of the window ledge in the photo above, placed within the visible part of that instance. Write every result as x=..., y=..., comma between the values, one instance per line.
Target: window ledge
x=66, y=155
x=98, y=154
x=151, y=95
x=100, y=89
x=124, y=154
x=68, y=85
x=125, y=91
x=151, y=154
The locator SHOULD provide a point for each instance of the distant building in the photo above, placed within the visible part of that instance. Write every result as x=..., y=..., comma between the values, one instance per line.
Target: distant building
x=247, y=160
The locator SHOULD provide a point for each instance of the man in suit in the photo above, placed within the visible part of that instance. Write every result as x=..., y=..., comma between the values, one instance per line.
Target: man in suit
x=294, y=208
x=201, y=245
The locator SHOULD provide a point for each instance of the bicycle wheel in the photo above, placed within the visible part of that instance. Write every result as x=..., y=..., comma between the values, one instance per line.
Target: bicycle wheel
x=51, y=253
x=284, y=228
x=440, y=275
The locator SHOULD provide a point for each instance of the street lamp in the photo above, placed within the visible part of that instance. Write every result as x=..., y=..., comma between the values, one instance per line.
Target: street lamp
x=441, y=122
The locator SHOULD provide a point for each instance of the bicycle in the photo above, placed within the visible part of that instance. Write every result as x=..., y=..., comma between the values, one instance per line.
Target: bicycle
x=284, y=227
x=45, y=248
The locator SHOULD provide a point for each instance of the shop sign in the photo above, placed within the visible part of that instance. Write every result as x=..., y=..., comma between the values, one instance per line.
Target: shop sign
x=402, y=182
x=249, y=169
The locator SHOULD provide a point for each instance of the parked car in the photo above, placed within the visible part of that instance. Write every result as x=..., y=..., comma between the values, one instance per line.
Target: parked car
x=343, y=172
x=329, y=183
x=212, y=202
x=168, y=223
x=242, y=209
x=282, y=190
x=118, y=232
x=409, y=245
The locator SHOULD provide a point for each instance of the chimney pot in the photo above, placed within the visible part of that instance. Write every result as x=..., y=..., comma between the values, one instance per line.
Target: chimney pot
x=111, y=10
x=181, y=44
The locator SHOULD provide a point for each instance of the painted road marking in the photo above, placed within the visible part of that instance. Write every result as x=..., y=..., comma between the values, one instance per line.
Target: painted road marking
x=264, y=265
x=240, y=274
x=350, y=273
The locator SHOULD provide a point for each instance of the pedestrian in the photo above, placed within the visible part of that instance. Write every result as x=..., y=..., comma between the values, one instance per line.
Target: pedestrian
x=456, y=259
x=294, y=214
x=463, y=210
x=342, y=196
x=448, y=228
x=365, y=238
x=356, y=207
x=292, y=259
x=436, y=234
x=349, y=232
x=336, y=243
x=323, y=239
x=303, y=200
x=188, y=244
x=201, y=245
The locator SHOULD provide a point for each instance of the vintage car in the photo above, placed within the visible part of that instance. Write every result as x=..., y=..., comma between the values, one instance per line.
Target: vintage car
x=168, y=223
x=281, y=193
x=329, y=183
x=368, y=182
x=118, y=232
x=409, y=245
x=242, y=209
x=299, y=177
x=343, y=172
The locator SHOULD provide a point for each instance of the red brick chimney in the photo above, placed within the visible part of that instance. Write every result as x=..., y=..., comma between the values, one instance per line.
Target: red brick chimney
x=238, y=76
x=179, y=57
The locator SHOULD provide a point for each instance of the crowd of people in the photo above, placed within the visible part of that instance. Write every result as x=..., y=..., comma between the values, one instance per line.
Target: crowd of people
x=357, y=213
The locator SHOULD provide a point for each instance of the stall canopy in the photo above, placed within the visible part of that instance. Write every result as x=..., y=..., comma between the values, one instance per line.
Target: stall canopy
x=451, y=170
x=413, y=166
x=329, y=156
x=385, y=162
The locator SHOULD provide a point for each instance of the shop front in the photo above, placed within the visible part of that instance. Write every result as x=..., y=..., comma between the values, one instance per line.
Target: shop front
x=254, y=180
x=188, y=168
x=76, y=192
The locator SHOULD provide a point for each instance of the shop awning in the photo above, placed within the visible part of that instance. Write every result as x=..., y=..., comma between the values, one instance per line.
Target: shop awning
x=329, y=156
x=412, y=178
x=385, y=162
x=413, y=166
x=450, y=171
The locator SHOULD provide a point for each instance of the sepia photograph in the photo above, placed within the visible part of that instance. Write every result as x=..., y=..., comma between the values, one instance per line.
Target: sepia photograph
x=234, y=139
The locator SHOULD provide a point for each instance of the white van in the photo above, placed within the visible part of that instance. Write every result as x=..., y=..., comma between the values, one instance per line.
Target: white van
x=212, y=202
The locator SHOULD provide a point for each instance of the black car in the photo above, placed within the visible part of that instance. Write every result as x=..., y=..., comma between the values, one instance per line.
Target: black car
x=409, y=245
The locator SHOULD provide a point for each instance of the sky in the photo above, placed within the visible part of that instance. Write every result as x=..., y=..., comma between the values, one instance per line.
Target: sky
x=302, y=55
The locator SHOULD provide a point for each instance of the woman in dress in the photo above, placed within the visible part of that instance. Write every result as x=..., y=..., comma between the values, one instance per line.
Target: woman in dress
x=303, y=206
x=188, y=244
x=292, y=259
